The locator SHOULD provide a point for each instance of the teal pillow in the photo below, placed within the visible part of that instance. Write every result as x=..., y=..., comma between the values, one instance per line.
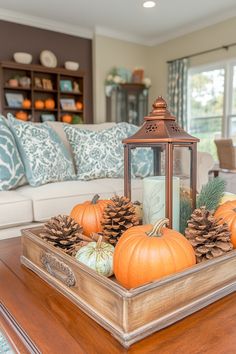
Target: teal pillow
x=97, y=154
x=141, y=158
x=44, y=155
x=11, y=166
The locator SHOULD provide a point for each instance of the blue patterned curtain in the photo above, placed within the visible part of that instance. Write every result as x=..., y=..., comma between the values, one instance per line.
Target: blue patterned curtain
x=177, y=90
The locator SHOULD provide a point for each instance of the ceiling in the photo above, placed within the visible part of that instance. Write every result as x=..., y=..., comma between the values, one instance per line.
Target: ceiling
x=124, y=19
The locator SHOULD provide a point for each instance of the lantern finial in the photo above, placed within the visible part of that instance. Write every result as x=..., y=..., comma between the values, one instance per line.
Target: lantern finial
x=159, y=110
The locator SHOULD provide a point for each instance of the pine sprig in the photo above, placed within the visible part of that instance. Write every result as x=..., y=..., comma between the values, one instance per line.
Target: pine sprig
x=211, y=194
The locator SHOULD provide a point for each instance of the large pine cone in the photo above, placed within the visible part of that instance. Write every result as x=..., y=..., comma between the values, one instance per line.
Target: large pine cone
x=65, y=233
x=208, y=238
x=117, y=218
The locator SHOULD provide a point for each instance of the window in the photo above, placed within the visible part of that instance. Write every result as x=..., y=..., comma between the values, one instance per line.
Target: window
x=212, y=104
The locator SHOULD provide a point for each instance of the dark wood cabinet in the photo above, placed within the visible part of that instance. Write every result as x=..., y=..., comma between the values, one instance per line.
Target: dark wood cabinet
x=44, y=83
x=127, y=103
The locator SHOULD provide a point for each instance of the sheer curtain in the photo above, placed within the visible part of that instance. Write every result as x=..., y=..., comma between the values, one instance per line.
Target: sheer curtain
x=177, y=90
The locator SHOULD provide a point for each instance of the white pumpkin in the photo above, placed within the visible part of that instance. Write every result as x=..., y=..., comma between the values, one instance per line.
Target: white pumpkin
x=98, y=256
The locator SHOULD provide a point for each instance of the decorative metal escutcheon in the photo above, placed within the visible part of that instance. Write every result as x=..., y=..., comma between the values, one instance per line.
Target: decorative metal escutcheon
x=58, y=269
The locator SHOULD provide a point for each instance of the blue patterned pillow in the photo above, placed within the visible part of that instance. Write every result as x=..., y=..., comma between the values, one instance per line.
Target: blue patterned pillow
x=11, y=166
x=97, y=154
x=141, y=158
x=44, y=155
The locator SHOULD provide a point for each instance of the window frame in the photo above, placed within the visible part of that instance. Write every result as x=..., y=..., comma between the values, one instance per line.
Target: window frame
x=228, y=66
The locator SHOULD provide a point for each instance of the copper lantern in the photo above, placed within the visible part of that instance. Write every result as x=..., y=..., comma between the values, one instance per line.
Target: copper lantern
x=165, y=137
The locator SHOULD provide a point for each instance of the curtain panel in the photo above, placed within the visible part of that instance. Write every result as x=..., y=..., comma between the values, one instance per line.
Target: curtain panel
x=177, y=90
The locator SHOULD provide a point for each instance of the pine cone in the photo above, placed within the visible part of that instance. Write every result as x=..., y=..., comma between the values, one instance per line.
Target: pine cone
x=208, y=238
x=117, y=218
x=65, y=233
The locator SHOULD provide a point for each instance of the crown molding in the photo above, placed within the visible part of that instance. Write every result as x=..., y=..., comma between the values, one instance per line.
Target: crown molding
x=43, y=23
x=192, y=28
x=127, y=37
x=74, y=30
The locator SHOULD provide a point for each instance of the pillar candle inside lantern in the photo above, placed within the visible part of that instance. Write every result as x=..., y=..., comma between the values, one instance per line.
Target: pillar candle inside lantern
x=154, y=194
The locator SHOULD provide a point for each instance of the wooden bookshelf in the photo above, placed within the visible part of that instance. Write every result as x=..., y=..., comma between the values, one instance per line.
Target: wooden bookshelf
x=11, y=70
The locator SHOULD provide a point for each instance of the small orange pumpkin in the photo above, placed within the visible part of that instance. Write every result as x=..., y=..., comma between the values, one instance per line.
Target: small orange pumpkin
x=39, y=104
x=227, y=213
x=145, y=253
x=22, y=115
x=89, y=214
x=79, y=105
x=49, y=103
x=66, y=118
x=26, y=103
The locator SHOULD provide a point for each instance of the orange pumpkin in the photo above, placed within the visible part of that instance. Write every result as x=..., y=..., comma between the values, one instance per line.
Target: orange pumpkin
x=66, y=118
x=22, y=115
x=39, y=104
x=89, y=214
x=26, y=103
x=227, y=213
x=49, y=103
x=145, y=253
x=79, y=106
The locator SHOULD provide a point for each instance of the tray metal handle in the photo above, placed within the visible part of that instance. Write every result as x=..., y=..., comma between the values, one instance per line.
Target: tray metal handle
x=58, y=269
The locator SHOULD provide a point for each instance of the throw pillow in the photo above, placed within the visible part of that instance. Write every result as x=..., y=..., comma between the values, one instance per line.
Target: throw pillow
x=97, y=154
x=44, y=155
x=141, y=158
x=11, y=166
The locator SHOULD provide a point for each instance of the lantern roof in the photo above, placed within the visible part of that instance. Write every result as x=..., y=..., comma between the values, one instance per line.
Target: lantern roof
x=160, y=127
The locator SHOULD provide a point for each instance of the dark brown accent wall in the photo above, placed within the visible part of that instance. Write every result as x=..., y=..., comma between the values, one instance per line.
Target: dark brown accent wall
x=21, y=38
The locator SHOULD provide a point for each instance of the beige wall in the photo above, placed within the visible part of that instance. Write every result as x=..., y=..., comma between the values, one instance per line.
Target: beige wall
x=210, y=37
x=107, y=53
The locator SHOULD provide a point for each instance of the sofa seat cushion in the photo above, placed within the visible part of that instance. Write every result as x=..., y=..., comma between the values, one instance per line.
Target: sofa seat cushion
x=15, y=209
x=60, y=197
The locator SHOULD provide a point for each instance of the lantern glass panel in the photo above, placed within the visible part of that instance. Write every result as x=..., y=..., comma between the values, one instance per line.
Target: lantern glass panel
x=182, y=171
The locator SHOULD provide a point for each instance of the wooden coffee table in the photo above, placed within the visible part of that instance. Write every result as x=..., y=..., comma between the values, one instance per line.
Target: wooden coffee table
x=37, y=319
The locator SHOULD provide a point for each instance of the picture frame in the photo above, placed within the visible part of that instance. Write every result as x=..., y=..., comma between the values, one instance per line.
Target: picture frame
x=38, y=83
x=47, y=118
x=137, y=76
x=66, y=86
x=68, y=104
x=14, y=100
x=47, y=84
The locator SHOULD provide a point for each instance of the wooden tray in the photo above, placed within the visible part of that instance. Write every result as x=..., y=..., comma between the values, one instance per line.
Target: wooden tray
x=129, y=315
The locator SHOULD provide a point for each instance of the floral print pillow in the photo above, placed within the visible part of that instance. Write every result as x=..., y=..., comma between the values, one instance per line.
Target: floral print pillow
x=11, y=166
x=44, y=155
x=97, y=154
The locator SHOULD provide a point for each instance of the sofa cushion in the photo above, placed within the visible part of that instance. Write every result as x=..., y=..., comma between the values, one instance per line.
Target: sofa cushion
x=60, y=197
x=44, y=155
x=11, y=166
x=15, y=209
x=97, y=154
x=58, y=128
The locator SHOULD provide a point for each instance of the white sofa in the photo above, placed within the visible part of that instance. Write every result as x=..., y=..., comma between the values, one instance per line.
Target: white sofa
x=29, y=206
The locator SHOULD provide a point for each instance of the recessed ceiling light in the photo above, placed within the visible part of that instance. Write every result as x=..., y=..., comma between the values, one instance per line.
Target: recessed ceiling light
x=149, y=4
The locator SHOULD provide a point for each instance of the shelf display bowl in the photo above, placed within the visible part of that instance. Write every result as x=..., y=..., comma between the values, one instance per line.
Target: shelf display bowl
x=71, y=65
x=22, y=58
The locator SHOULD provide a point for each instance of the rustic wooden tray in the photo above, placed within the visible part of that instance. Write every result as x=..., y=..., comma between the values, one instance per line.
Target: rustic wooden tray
x=129, y=315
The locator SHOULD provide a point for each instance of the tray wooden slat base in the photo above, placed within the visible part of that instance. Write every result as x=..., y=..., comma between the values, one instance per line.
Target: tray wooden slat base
x=130, y=315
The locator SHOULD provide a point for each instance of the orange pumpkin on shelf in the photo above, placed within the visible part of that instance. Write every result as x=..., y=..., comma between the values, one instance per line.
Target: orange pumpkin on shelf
x=21, y=115
x=26, y=103
x=89, y=214
x=145, y=253
x=39, y=104
x=227, y=213
x=49, y=103
x=67, y=118
x=79, y=106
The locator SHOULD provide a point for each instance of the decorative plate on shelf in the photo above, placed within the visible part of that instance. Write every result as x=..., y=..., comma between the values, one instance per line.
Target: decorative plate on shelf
x=48, y=59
